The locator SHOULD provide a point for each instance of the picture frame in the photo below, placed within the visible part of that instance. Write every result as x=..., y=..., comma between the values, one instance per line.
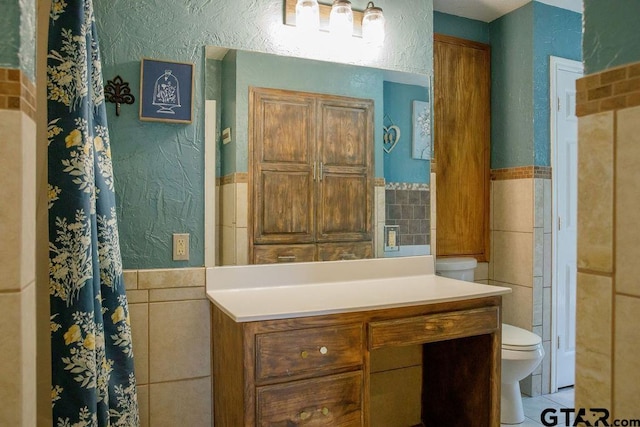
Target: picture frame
x=421, y=135
x=166, y=91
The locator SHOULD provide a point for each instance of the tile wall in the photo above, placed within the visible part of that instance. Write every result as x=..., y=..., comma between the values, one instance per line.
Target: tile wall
x=608, y=294
x=170, y=324
x=521, y=257
x=408, y=205
x=17, y=253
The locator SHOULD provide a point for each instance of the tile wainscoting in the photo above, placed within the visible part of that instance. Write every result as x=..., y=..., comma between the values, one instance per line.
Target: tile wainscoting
x=521, y=251
x=17, y=253
x=608, y=293
x=170, y=323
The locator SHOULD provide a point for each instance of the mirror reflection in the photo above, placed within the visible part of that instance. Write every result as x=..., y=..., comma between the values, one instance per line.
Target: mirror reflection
x=314, y=161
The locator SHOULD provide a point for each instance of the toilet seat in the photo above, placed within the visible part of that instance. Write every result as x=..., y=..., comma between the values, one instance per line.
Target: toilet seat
x=518, y=339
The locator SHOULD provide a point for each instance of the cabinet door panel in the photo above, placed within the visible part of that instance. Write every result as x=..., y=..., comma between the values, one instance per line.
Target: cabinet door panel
x=283, y=204
x=334, y=400
x=462, y=144
x=311, y=167
x=345, y=190
x=283, y=144
x=286, y=130
x=344, y=208
x=343, y=133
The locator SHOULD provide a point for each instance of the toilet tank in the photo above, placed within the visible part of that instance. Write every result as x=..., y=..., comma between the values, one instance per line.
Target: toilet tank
x=461, y=268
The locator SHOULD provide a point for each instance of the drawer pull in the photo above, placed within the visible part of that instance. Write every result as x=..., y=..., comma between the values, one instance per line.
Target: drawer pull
x=348, y=255
x=323, y=350
x=286, y=258
x=305, y=415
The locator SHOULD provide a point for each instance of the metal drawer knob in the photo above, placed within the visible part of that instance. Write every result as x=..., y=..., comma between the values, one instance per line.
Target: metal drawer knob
x=304, y=354
x=324, y=350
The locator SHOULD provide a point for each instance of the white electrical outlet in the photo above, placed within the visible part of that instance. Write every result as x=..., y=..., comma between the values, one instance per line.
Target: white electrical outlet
x=181, y=247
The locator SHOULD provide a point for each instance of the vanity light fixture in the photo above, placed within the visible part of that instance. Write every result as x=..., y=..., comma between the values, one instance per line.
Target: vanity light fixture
x=308, y=16
x=373, y=25
x=296, y=10
x=341, y=19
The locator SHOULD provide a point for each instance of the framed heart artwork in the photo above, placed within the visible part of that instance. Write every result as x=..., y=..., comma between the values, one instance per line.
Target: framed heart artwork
x=391, y=136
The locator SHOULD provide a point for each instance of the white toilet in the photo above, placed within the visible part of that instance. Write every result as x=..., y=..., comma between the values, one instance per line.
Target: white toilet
x=522, y=350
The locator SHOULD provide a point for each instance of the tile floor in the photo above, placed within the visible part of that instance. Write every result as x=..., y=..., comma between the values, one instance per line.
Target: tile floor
x=533, y=406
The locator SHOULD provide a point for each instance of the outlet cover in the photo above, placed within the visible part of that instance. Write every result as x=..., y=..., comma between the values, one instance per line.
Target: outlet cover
x=181, y=247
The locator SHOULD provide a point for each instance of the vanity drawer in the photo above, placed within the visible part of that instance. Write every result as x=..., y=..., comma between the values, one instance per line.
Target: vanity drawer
x=334, y=400
x=271, y=254
x=433, y=327
x=345, y=251
x=307, y=351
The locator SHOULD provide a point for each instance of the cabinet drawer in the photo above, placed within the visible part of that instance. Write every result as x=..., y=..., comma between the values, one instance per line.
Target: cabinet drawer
x=306, y=351
x=270, y=254
x=335, y=400
x=345, y=251
x=433, y=327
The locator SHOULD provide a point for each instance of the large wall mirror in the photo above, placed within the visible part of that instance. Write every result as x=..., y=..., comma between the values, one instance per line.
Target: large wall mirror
x=278, y=127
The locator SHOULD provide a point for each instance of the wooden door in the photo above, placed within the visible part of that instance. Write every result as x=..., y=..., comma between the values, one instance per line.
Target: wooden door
x=344, y=207
x=462, y=143
x=282, y=125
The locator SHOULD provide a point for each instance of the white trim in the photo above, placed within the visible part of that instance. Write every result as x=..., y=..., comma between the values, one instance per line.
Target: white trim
x=573, y=5
x=556, y=64
x=210, y=183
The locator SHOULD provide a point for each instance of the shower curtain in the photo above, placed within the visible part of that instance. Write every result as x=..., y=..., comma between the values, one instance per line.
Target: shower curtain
x=93, y=383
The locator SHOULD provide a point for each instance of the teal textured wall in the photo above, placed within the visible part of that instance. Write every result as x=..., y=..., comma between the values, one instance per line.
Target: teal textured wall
x=611, y=36
x=521, y=44
x=398, y=106
x=158, y=167
x=18, y=40
x=10, y=41
x=456, y=26
x=512, y=89
x=557, y=32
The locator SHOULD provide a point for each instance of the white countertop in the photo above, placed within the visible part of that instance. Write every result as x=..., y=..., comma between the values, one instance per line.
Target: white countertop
x=278, y=291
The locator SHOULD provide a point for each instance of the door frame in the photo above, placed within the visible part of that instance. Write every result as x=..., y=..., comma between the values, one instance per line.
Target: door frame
x=210, y=189
x=556, y=64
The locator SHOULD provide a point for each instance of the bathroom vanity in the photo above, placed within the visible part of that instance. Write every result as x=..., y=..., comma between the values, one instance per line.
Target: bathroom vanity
x=292, y=343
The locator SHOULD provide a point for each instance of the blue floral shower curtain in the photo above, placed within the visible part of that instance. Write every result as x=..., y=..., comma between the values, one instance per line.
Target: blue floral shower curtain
x=93, y=382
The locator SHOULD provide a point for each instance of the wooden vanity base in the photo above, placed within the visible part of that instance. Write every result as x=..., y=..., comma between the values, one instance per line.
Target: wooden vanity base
x=315, y=371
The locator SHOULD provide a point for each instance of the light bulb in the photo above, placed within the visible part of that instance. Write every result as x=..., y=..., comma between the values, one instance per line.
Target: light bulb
x=308, y=15
x=373, y=25
x=341, y=19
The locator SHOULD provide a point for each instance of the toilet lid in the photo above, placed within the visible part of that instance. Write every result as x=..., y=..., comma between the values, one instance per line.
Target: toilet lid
x=514, y=338
x=456, y=263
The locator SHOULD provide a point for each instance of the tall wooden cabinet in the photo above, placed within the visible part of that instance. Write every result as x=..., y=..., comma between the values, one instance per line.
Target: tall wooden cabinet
x=311, y=176
x=462, y=109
